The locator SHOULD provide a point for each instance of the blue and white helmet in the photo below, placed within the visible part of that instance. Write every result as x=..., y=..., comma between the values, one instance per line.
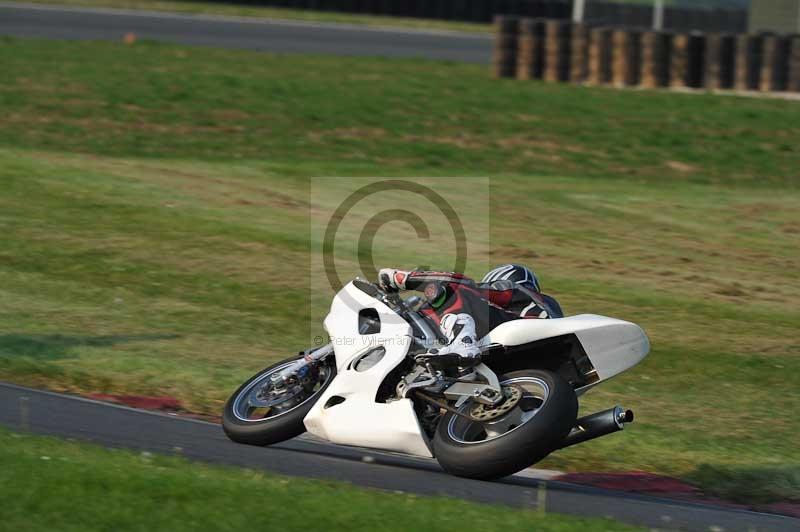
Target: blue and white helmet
x=514, y=273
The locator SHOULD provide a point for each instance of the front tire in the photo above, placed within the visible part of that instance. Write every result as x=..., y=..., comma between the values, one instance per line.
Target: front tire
x=243, y=423
x=499, y=448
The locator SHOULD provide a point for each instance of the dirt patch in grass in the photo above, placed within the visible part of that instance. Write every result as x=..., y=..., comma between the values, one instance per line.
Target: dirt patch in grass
x=681, y=167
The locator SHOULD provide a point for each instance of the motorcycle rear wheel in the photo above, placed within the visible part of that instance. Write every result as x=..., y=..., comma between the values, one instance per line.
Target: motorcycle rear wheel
x=535, y=427
x=242, y=418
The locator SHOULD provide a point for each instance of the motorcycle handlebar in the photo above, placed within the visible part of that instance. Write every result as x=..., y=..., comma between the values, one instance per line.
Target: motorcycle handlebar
x=396, y=303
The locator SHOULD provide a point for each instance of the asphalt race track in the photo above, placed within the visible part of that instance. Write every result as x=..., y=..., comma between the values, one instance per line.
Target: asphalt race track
x=21, y=20
x=115, y=426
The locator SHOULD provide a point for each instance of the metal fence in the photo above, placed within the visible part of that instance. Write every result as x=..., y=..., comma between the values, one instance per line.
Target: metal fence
x=677, y=18
x=681, y=17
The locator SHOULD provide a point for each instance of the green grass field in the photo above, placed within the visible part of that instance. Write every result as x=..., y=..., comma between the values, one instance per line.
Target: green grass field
x=155, y=203
x=57, y=485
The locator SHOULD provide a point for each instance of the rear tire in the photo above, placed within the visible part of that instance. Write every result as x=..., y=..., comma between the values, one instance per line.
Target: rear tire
x=516, y=449
x=275, y=429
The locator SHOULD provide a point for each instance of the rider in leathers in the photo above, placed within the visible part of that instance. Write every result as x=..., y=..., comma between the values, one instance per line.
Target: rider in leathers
x=465, y=310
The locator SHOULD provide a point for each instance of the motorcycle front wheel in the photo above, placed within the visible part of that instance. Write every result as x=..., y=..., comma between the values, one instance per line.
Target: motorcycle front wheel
x=539, y=411
x=264, y=411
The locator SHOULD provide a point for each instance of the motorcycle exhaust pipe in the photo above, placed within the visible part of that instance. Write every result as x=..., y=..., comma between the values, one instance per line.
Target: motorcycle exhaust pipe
x=599, y=424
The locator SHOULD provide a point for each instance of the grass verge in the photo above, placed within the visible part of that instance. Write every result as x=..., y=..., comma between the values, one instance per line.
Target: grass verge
x=155, y=205
x=748, y=485
x=58, y=484
x=354, y=116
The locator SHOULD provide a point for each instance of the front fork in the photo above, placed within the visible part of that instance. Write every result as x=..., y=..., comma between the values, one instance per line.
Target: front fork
x=299, y=367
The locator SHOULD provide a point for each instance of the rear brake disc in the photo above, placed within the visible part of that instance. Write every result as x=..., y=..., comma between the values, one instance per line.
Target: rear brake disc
x=483, y=413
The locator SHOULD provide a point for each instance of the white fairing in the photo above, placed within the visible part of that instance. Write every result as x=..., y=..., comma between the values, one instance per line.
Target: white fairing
x=612, y=345
x=347, y=412
x=359, y=420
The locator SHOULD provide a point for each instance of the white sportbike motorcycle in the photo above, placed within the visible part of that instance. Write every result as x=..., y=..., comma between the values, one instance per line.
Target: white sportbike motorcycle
x=376, y=385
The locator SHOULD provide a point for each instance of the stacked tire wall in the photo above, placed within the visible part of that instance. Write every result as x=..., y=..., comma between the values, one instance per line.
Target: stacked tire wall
x=560, y=51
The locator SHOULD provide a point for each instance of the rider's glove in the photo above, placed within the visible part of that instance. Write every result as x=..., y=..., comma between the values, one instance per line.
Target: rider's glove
x=391, y=279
